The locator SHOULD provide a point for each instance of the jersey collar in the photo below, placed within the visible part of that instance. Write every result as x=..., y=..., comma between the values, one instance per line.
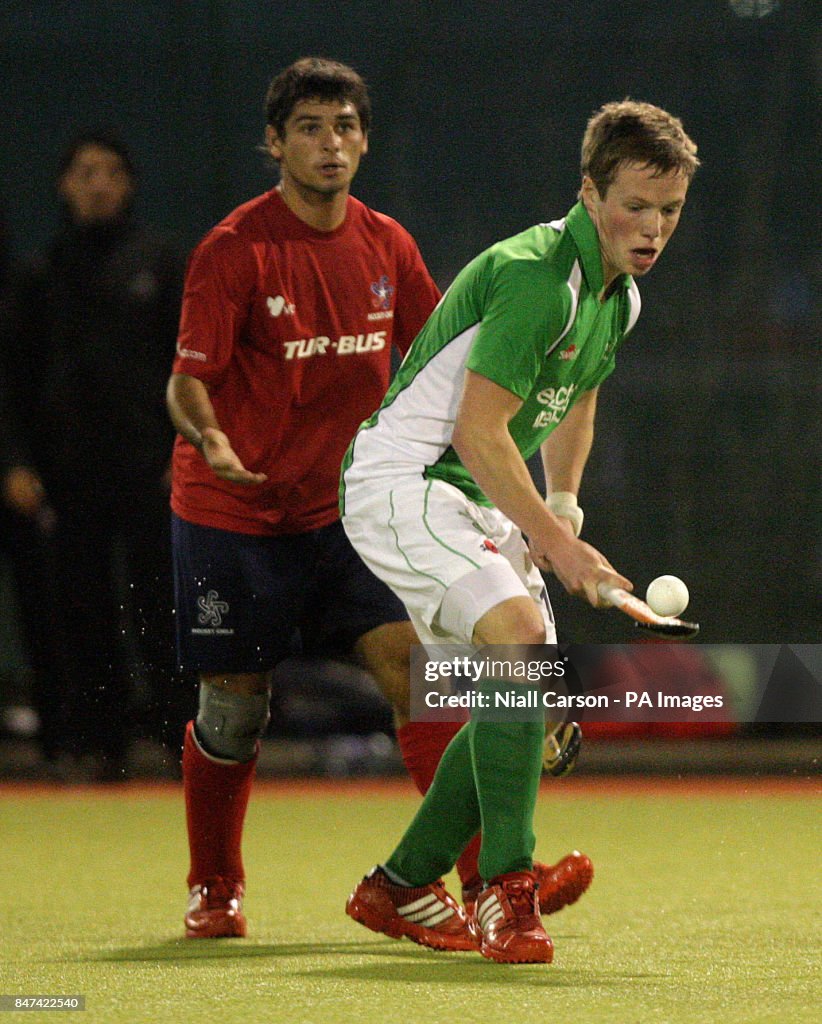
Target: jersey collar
x=585, y=236
x=298, y=227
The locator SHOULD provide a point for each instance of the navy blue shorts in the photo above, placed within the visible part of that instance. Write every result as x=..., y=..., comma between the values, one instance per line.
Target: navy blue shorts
x=244, y=603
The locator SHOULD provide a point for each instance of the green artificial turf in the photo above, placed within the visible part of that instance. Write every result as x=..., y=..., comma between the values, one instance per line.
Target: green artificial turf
x=705, y=908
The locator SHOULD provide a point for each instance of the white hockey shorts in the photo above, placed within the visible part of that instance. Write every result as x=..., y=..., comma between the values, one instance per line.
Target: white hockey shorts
x=446, y=558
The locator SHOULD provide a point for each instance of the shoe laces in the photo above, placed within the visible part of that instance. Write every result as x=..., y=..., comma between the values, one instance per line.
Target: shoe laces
x=520, y=893
x=439, y=888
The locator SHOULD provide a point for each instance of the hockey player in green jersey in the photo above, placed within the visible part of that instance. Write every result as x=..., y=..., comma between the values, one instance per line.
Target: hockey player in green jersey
x=437, y=498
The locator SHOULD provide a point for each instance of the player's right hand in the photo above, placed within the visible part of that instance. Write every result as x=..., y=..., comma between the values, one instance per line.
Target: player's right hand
x=225, y=462
x=580, y=568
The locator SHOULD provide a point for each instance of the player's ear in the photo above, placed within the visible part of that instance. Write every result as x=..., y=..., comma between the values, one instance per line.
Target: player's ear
x=364, y=143
x=272, y=141
x=588, y=193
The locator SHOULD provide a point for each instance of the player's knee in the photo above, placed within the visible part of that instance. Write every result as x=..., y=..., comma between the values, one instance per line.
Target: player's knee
x=531, y=632
x=396, y=661
x=230, y=724
x=385, y=652
x=514, y=621
x=392, y=680
x=245, y=684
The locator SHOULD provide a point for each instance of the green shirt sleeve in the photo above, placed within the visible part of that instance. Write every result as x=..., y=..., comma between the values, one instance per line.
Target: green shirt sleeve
x=523, y=315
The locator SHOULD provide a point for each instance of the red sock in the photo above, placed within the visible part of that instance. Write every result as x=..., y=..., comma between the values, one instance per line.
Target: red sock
x=216, y=799
x=422, y=745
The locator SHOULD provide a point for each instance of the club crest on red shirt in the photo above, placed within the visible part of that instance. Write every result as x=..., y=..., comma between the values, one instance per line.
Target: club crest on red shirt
x=382, y=290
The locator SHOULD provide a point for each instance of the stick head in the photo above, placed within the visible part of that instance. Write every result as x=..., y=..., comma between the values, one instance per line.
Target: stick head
x=660, y=625
x=674, y=629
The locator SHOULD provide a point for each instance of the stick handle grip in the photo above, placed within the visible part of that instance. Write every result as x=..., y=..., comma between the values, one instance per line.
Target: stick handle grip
x=629, y=604
x=612, y=595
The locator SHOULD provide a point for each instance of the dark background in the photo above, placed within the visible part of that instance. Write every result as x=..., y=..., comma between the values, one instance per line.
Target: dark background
x=706, y=463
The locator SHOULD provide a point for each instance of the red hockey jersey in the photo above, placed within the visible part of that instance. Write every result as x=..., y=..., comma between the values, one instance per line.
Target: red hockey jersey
x=291, y=330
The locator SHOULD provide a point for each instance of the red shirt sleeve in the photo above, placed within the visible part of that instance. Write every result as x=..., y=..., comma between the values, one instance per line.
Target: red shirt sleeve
x=219, y=284
x=417, y=294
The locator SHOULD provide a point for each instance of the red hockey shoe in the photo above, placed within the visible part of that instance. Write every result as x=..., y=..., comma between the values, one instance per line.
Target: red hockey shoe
x=215, y=910
x=426, y=914
x=558, y=885
x=506, y=920
x=563, y=884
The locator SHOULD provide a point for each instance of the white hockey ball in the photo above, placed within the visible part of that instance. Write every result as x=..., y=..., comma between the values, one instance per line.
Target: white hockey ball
x=667, y=595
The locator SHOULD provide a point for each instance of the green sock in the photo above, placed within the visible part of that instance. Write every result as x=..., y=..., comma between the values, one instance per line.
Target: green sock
x=488, y=776
x=447, y=818
x=507, y=761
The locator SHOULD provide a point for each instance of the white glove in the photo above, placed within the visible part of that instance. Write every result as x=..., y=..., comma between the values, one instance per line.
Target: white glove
x=563, y=503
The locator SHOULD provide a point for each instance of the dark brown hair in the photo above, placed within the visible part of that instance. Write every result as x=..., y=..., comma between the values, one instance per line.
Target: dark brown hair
x=315, y=78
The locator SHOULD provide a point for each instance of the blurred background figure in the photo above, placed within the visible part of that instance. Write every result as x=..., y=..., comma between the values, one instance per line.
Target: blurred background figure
x=25, y=615
x=89, y=333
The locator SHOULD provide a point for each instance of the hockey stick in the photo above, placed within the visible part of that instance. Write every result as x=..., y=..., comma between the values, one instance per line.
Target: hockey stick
x=561, y=748
x=659, y=625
